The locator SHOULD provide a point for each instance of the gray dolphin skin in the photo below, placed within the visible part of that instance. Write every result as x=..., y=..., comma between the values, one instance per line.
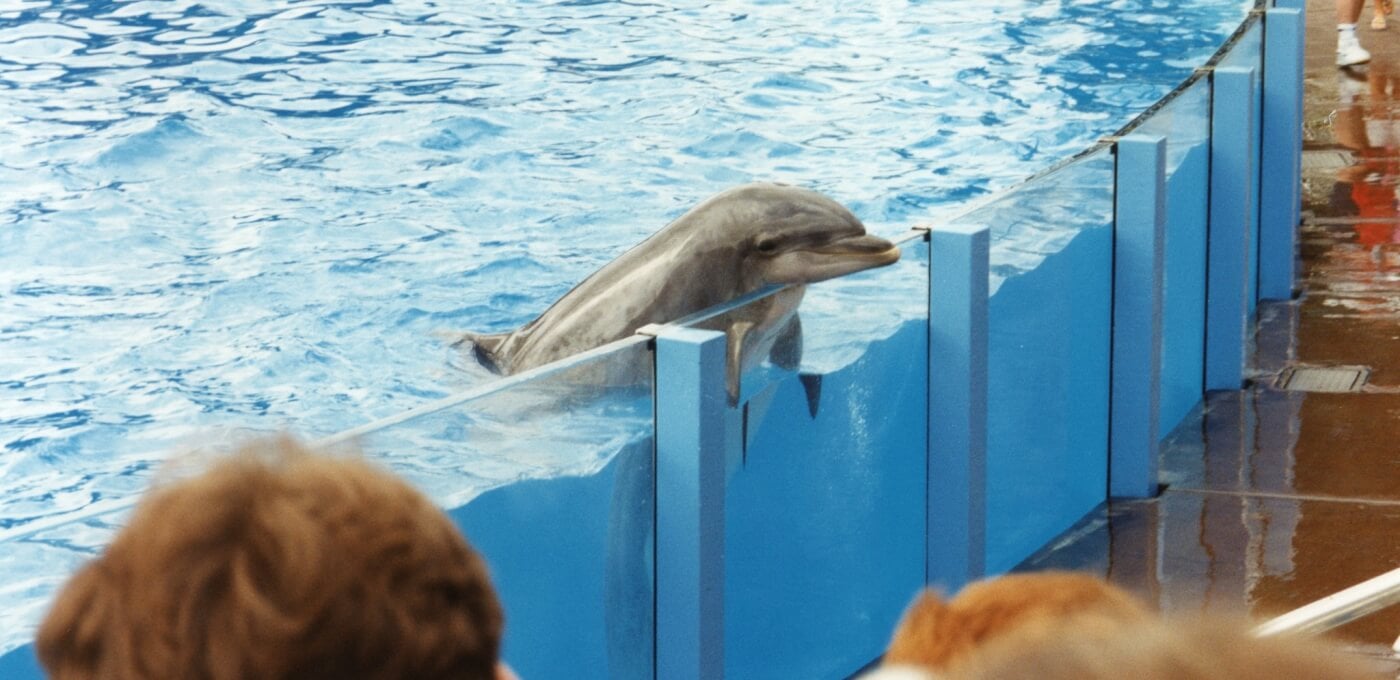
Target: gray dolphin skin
x=734, y=243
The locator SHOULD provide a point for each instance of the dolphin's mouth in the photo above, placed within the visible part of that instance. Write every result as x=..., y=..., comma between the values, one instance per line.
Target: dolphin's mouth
x=829, y=260
x=879, y=251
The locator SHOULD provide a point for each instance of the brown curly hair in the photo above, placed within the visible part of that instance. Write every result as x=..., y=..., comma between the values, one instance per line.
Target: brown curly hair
x=279, y=563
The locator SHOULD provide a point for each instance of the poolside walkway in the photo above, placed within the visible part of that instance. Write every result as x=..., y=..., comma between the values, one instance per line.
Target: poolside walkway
x=1275, y=496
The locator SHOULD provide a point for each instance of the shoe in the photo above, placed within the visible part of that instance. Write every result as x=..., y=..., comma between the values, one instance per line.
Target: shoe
x=1349, y=50
x=1378, y=23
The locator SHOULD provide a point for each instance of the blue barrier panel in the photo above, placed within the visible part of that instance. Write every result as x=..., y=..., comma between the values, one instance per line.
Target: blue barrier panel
x=693, y=444
x=957, y=468
x=1232, y=170
x=20, y=663
x=550, y=477
x=1248, y=53
x=1048, y=330
x=1281, y=154
x=825, y=509
x=1185, y=125
x=1140, y=216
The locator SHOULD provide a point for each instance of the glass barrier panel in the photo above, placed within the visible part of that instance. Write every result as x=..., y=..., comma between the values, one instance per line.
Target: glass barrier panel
x=551, y=480
x=1185, y=123
x=1248, y=52
x=55, y=523
x=1049, y=329
x=824, y=535
x=36, y=564
x=549, y=477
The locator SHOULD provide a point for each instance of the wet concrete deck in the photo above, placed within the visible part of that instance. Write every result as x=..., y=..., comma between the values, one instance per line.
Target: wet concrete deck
x=1275, y=497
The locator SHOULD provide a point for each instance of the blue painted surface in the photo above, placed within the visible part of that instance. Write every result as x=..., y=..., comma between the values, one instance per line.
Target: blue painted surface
x=957, y=419
x=1138, y=244
x=1281, y=152
x=824, y=535
x=1248, y=53
x=1232, y=205
x=1183, y=290
x=1185, y=124
x=1183, y=267
x=20, y=664
x=571, y=559
x=572, y=555
x=695, y=441
x=825, y=531
x=1048, y=394
x=1048, y=357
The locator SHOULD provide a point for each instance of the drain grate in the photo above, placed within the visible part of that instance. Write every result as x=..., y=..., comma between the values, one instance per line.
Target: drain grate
x=1323, y=378
x=1325, y=160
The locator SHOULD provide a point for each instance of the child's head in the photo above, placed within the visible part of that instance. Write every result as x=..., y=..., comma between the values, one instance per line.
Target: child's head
x=279, y=563
x=938, y=635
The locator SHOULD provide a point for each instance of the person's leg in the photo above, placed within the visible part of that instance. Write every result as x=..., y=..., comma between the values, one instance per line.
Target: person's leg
x=1349, y=50
x=1378, y=12
x=1348, y=11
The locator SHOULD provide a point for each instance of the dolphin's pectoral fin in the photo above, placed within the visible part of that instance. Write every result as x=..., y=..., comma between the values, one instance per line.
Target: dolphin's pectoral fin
x=812, y=385
x=734, y=364
x=483, y=345
x=787, y=349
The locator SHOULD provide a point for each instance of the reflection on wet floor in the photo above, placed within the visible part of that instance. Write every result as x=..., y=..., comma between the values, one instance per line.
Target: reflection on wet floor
x=1239, y=553
x=1275, y=498
x=1275, y=442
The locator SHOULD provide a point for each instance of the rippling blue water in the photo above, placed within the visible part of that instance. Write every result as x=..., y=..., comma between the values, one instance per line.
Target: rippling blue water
x=232, y=216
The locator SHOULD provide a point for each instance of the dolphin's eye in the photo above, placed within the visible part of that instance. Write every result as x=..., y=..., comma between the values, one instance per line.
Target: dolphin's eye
x=767, y=246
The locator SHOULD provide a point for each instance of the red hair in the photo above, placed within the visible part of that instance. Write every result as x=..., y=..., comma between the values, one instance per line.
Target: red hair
x=938, y=635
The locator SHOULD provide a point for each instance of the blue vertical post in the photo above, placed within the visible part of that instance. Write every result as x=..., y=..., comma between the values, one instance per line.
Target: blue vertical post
x=1281, y=155
x=1139, y=223
x=692, y=444
x=957, y=383
x=1231, y=179
x=1291, y=4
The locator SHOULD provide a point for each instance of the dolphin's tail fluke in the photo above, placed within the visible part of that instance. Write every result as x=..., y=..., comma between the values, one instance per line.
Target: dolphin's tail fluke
x=483, y=345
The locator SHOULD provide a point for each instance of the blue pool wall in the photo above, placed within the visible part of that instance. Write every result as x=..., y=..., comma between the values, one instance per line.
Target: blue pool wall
x=782, y=535
x=1185, y=125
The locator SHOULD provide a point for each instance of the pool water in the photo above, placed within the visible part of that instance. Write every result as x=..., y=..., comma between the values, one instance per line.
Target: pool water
x=228, y=217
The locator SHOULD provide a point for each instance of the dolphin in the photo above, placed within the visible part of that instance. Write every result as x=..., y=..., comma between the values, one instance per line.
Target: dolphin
x=736, y=242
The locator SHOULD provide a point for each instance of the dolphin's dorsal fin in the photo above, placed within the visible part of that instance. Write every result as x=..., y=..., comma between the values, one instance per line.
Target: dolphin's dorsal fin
x=484, y=345
x=812, y=386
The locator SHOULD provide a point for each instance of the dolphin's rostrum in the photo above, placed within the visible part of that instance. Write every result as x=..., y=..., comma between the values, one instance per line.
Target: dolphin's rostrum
x=734, y=243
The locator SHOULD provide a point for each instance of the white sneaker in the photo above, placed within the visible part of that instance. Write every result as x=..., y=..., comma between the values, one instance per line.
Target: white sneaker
x=1349, y=50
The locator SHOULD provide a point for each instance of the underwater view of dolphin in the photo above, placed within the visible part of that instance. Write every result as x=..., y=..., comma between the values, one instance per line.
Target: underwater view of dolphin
x=734, y=243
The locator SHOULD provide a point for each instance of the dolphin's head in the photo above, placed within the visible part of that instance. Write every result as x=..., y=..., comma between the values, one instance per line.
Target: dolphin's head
x=790, y=235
